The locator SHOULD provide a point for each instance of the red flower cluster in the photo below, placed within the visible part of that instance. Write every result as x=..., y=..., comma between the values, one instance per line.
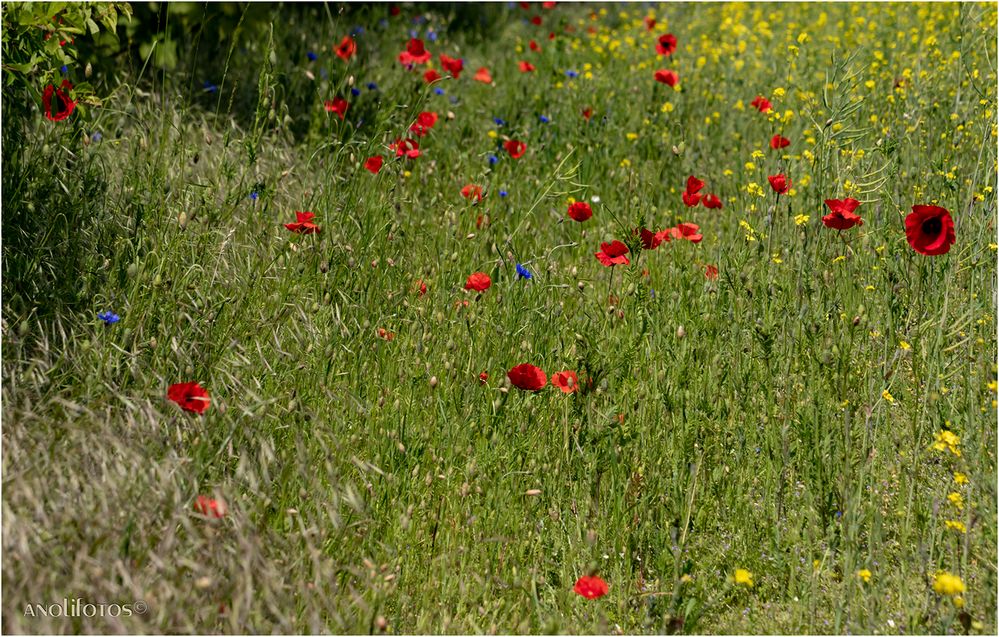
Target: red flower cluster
x=483, y=75
x=424, y=122
x=527, y=377
x=780, y=183
x=580, y=211
x=667, y=77
x=346, y=49
x=612, y=254
x=190, y=397
x=515, y=148
x=666, y=44
x=374, y=164
x=304, y=224
x=692, y=195
x=591, y=587
x=63, y=106
x=478, y=281
x=452, y=65
x=337, y=105
x=842, y=216
x=930, y=230
x=762, y=104
x=471, y=191
x=409, y=148
x=210, y=507
x=415, y=53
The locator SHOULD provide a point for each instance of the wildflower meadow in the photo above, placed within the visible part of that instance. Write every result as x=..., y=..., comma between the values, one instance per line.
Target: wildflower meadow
x=499, y=318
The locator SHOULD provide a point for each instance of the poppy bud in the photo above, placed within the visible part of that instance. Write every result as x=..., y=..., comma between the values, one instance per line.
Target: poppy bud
x=88, y=70
x=680, y=332
x=581, y=285
x=132, y=270
x=856, y=321
x=350, y=81
x=433, y=382
x=309, y=75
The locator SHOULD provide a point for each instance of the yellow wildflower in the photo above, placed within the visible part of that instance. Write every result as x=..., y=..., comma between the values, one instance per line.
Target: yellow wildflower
x=742, y=576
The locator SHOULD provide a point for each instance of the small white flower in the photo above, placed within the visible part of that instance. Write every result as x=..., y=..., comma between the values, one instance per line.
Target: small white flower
x=595, y=199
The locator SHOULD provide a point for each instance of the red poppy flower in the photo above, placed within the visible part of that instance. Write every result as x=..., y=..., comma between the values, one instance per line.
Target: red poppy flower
x=385, y=334
x=478, y=281
x=650, y=240
x=691, y=199
x=711, y=271
x=414, y=53
x=527, y=377
x=304, y=224
x=762, y=104
x=431, y=76
x=650, y=23
x=930, y=230
x=337, y=105
x=483, y=75
x=373, y=164
x=533, y=46
x=515, y=148
x=587, y=113
x=421, y=287
x=688, y=231
x=711, y=201
x=470, y=191
x=580, y=211
x=394, y=10
x=210, y=507
x=526, y=67
x=691, y=196
x=779, y=142
x=452, y=65
x=346, y=49
x=694, y=184
x=842, y=216
x=536, y=21
x=483, y=377
x=63, y=106
x=612, y=254
x=591, y=587
x=666, y=44
x=408, y=147
x=780, y=183
x=424, y=122
x=566, y=381
x=190, y=396
x=547, y=5
x=667, y=77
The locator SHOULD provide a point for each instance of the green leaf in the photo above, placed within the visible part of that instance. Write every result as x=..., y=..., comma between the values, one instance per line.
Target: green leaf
x=94, y=29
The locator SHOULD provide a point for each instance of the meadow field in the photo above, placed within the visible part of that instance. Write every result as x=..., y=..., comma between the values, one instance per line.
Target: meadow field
x=505, y=318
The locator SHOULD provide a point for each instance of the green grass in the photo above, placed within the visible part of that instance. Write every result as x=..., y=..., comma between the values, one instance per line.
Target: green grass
x=375, y=484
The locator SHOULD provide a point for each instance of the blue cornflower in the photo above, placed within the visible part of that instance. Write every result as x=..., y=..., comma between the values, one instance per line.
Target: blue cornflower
x=432, y=36
x=438, y=91
x=109, y=318
x=571, y=74
x=413, y=33
x=544, y=119
x=499, y=121
x=493, y=159
x=503, y=193
x=355, y=91
x=453, y=99
x=383, y=23
x=64, y=69
x=97, y=136
x=524, y=273
x=254, y=195
x=312, y=56
x=357, y=30
x=211, y=88
x=372, y=86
